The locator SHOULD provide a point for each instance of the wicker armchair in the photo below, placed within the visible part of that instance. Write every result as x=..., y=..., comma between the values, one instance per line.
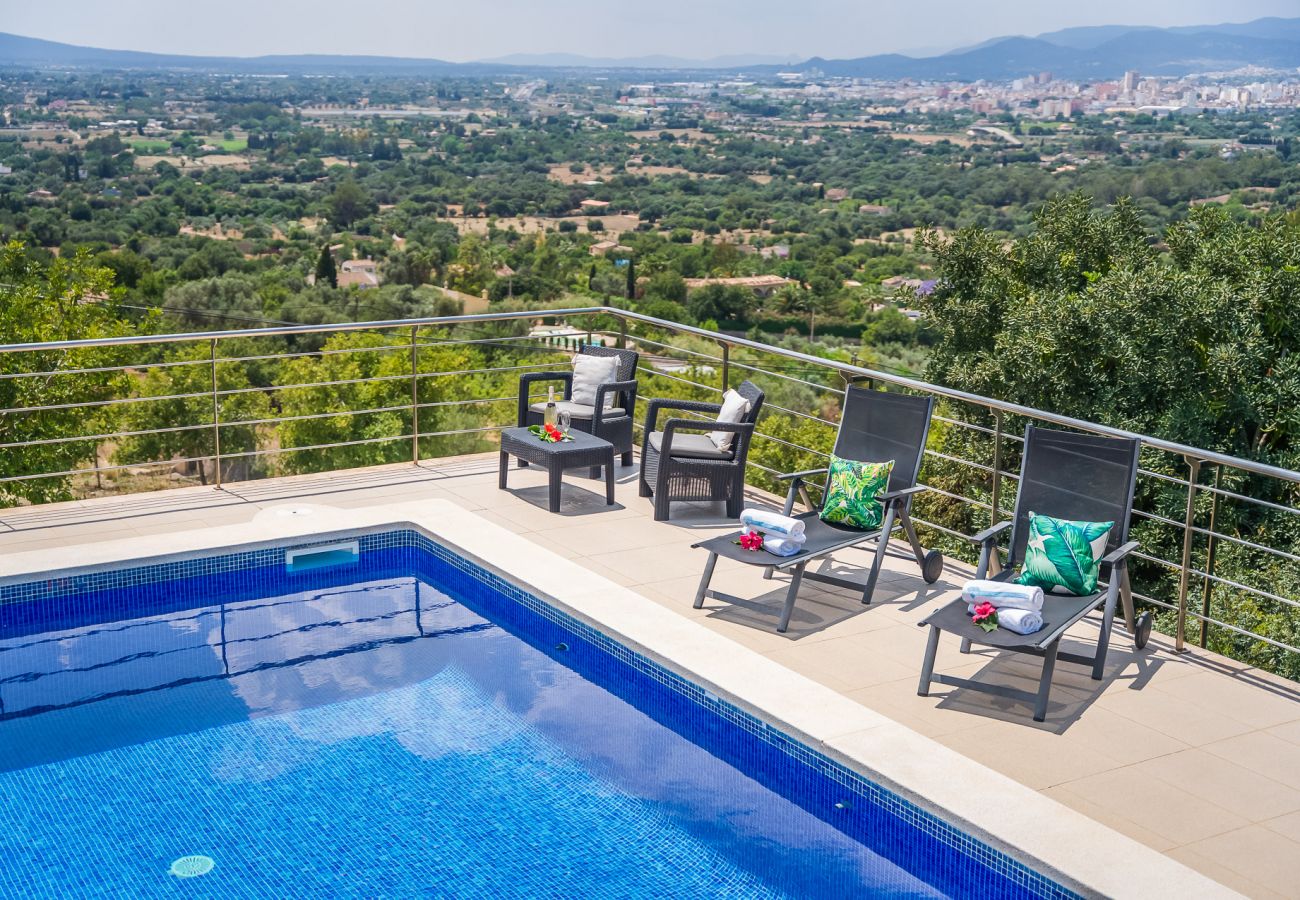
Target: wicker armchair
x=682, y=463
x=613, y=424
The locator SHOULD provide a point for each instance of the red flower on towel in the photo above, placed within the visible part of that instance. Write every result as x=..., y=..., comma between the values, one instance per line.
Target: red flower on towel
x=751, y=540
x=986, y=616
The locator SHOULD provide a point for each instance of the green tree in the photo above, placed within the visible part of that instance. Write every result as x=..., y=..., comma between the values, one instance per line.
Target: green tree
x=349, y=202
x=721, y=303
x=1089, y=318
x=67, y=298
x=326, y=272
x=181, y=417
x=380, y=379
x=793, y=298
x=889, y=326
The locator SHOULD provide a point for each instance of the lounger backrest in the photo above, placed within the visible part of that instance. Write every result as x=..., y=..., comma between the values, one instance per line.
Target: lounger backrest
x=1082, y=477
x=878, y=426
x=627, y=362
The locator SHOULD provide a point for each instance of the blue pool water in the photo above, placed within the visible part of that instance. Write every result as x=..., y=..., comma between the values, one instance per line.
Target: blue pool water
x=407, y=726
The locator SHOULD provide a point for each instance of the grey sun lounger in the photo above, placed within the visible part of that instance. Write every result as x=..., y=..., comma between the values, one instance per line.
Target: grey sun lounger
x=1065, y=475
x=876, y=426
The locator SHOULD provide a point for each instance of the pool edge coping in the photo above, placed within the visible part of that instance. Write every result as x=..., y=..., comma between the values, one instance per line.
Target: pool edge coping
x=1078, y=852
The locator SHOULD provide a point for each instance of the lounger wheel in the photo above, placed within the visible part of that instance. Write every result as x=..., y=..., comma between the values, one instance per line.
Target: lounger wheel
x=932, y=566
x=1142, y=630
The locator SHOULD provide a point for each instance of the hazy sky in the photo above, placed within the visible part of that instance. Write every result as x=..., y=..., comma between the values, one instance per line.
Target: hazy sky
x=476, y=29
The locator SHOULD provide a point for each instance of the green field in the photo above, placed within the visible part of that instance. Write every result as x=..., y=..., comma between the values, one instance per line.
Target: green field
x=150, y=146
x=235, y=145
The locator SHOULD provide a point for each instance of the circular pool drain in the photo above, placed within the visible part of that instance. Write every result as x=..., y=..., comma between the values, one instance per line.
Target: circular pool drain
x=192, y=866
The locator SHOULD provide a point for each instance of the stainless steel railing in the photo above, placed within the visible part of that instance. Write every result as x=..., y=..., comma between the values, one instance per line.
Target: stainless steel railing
x=735, y=357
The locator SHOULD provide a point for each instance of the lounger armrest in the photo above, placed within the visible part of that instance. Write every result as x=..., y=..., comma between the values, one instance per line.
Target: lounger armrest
x=652, y=412
x=989, y=534
x=612, y=387
x=797, y=485
x=901, y=494
x=1119, y=554
x=804, y=474
x=528, y=378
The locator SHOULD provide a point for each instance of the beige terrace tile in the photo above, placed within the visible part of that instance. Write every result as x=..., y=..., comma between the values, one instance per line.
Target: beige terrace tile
x=1247, y=887
x=1181, y=719
x=1238, y=698
x=644, y=565
x=1110, y=817
x=899, y=701
x=592, y=538
x=1288, y=732
x=1262, y=856
x=843, y=660
x=1288, y=826
x=1039, y=759
x=1248, y=794
x=1149, y=802
x=1264, y=753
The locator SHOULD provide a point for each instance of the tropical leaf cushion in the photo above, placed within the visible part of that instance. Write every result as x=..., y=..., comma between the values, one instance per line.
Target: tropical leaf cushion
x=851, y=489
x=1064, y=556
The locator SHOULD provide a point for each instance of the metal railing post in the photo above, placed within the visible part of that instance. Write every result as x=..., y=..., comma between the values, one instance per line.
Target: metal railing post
x=216, y=417
x=1208, y=588
x=622, y=333
x=1194, y=473
x=726, y=365
x=415, y=394
x=996, y=512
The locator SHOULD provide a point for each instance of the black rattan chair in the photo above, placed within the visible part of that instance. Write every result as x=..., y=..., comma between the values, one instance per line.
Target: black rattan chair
x=613, y=424
x=1066, y=475
x=682, y=463
x=875, y=427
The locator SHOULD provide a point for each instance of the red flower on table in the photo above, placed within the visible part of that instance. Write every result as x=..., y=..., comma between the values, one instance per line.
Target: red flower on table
x=751, y=540
x=549, y=433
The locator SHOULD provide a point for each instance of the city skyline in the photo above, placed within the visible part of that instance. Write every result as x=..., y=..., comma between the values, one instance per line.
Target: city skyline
x=828, y=28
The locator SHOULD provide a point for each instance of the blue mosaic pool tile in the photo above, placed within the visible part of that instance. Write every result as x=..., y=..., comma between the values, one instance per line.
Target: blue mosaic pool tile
x=892, y=825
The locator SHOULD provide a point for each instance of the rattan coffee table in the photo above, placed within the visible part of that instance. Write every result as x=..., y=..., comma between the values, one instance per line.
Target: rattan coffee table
x=583, y=451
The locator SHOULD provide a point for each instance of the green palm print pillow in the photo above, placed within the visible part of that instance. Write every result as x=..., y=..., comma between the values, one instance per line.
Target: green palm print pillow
x=851, y=489
x=1064, y=556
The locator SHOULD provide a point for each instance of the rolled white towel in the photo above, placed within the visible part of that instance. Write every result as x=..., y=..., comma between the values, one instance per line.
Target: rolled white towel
x=1003, y=595
x=1021, y=621
x=770, y=522
x=779, y=546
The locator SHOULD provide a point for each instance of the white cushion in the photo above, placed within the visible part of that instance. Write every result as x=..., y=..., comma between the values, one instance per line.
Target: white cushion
x=578, y=410
x=589, y=373
x=734, y=408
x=689, y=444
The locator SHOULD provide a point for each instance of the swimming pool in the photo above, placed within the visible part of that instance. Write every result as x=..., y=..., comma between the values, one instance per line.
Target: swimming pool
x=409, y=724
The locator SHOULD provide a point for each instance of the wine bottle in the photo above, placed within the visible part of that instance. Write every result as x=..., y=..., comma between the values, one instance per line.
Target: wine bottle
x=552, y=413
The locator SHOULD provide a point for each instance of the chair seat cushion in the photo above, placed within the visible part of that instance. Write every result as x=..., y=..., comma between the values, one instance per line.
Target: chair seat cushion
x=578, y=410
x=689, y=445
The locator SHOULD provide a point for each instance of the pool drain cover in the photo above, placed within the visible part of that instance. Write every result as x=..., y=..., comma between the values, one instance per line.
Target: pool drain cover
x=192, y=866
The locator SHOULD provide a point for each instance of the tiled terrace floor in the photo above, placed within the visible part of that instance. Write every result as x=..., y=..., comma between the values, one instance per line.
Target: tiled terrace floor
x=1193, y=754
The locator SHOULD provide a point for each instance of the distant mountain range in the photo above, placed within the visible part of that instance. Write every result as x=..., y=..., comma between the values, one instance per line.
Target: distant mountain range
x=574, y=61
x=1094, y=52
x=1103, y=51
